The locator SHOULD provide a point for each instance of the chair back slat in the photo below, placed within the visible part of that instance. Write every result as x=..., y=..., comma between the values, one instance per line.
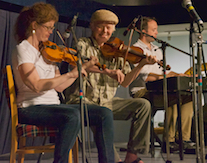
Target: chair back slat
x=12, y=95
x=6, y=88
x=11, y=99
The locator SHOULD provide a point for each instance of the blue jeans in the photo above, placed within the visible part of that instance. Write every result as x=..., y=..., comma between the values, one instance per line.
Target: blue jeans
x=67, y=119
x=101, y=119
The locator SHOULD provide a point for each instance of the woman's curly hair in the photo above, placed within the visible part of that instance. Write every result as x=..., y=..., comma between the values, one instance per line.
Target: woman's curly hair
x=40, y=12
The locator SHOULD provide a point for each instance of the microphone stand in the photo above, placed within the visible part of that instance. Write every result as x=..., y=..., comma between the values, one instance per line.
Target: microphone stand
x=163, y=47
x=194, y=96
x=81, y=98
x=79, y=65
x=201, y=126
x=165, y=98
x=198, y=100
x=164, y=92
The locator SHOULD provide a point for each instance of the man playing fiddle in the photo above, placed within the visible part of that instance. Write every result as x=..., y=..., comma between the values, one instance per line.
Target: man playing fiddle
x=154, y=72
x=104, y=84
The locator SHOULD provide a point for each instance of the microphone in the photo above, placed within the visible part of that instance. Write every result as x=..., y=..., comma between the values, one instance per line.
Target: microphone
x=66, y=34
x=196, y=37
x=188, y=5
x=204, y=42
x=130, y=26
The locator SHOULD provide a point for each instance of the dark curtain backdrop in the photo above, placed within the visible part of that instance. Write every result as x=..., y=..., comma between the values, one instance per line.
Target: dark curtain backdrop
x=7, y=44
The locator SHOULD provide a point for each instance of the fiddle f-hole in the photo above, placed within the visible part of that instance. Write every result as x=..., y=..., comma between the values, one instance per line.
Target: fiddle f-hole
x=52, y=47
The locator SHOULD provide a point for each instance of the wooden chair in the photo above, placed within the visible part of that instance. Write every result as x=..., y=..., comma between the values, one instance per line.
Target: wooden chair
x=20, y=132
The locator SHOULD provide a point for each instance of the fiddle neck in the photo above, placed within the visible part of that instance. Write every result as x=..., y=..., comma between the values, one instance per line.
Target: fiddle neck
x=137, y=53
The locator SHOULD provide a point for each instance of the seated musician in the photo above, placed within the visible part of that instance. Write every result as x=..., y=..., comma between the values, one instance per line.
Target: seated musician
x=38, y=80
x=154, y=72
x=105, y=82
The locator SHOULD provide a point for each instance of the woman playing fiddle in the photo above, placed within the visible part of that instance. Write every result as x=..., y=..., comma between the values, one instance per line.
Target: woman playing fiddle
x=38, y=81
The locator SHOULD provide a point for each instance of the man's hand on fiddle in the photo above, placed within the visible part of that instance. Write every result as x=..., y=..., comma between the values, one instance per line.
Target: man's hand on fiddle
x=93, y=60
x=115, y=74
x=148, y=60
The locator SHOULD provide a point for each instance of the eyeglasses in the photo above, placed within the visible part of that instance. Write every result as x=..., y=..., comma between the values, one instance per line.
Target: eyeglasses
x=48, y=28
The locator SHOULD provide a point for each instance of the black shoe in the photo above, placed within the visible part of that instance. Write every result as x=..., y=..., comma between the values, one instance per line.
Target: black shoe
x=188, y=144
x=189, y=147
x=135, y=161
x=123, y=149
x=174, y=147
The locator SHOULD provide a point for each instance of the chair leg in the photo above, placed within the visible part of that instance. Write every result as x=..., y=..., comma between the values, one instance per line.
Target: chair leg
x=73, y=154
x=22, y=143
x=40, y=155
x=13, y=152
x=152, y=138
x=14, y=144
x=70, y=157
x=75, y=151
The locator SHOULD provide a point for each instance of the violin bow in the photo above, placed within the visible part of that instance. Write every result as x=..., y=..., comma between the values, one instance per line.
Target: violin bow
x=58, y=32
x=128, y=47
x=60, y=36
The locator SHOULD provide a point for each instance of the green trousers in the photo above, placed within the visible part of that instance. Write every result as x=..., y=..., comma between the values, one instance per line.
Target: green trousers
x=139, y=111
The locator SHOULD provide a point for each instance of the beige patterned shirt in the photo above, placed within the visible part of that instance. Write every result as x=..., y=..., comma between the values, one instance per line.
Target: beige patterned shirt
x=103, y=87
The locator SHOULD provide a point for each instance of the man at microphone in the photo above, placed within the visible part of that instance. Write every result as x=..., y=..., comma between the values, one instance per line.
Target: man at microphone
x=154, y=72
x=105, y=82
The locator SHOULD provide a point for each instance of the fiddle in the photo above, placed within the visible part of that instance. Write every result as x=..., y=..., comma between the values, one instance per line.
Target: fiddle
x=115, y=47
x=55, y=53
